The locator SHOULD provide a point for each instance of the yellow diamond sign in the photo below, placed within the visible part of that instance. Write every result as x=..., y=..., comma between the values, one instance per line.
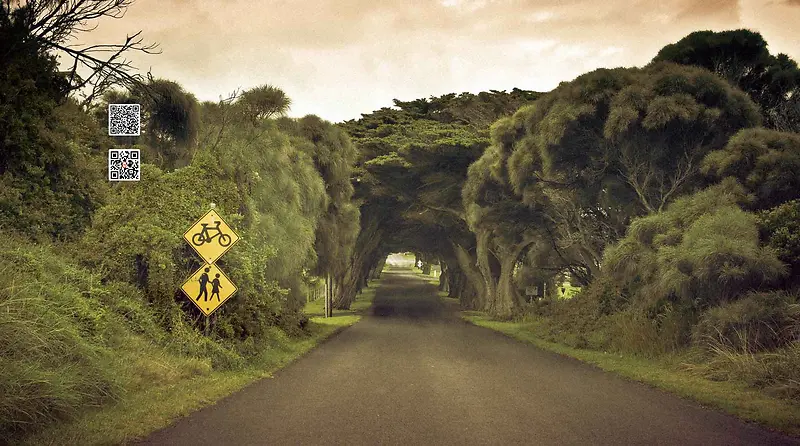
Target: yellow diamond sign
x=211, y=236
x=208, y=288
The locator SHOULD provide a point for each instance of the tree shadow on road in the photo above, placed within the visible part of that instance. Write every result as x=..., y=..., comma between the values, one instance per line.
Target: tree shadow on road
x=403, y=295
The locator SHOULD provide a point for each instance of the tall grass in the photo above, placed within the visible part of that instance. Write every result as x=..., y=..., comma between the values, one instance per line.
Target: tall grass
x=755, y=340
x=71, y=342
x=53, y=358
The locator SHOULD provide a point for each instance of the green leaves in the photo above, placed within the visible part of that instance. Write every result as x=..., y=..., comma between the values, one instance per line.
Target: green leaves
x=703, y=248
x=663, y=110
x=741, y=57
x=766, y=162
x=263, y=102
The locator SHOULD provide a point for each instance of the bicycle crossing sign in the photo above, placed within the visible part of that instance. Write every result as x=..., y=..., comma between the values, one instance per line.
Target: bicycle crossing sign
x=211, y=237
x=208, y=288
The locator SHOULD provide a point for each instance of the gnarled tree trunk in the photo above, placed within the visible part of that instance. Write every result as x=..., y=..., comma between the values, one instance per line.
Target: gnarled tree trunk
x=470, y=288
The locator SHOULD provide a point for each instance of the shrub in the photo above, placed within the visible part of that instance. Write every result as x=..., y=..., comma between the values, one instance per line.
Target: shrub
x=703, y=250
x=780, y=229
x=758, y=321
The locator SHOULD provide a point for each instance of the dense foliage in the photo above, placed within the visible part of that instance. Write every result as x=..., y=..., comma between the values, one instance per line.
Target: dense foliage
x=656, y=189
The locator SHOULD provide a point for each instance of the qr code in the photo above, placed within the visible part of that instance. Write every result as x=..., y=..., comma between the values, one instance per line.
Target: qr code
x=124, y=120
x=124, y=165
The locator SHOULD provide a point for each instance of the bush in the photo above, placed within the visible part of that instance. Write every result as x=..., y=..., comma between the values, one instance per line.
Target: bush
x=764, y=161
x=270, y=193
x=703, y=250
x=756, y=322
x=780, y=229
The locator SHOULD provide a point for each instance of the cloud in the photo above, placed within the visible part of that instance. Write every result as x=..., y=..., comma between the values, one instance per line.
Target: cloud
x=340, y=58
x=711, y=10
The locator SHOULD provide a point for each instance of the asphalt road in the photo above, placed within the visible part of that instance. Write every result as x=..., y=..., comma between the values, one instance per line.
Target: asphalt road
x=412, y=373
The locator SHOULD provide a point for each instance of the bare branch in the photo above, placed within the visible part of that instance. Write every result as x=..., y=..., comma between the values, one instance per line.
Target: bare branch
x=52, y=23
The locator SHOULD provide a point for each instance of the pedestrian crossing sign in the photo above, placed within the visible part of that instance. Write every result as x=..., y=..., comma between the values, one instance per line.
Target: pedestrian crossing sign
x=208, y=288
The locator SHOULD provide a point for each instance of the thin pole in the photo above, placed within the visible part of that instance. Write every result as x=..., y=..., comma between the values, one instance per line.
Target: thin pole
x=330, y=296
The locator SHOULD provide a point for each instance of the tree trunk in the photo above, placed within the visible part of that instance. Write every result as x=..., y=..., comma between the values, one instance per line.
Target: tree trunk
x=470, y=290
x=506, y=303
x=426, y=268
x=485, y=269
x=378, y=269
x=353, y=278
x=444, y=281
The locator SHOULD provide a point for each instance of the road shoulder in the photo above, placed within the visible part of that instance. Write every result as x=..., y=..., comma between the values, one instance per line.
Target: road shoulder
x=730, y=397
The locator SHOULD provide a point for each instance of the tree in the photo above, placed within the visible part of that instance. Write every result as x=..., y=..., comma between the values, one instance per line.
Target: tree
x=263, y=102
x=780, y=229
x=263, y=183
x=51, y=24
x=334, y=156
x=589, y=156
x=49, y=185
x=409, y=177
x=766, y=162
x=170, y=120
x=741, y=56
x=787, y=115
x=503, y=226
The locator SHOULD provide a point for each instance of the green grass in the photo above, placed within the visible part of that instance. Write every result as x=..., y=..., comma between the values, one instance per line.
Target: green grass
x=316, y=309
x=569, y=290
x=427, y=277
x=157, y=403
x=666, y=373
x=86, y=362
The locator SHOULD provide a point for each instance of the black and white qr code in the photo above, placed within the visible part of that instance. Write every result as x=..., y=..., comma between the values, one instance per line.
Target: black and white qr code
x=124, y=165
x=124, y=119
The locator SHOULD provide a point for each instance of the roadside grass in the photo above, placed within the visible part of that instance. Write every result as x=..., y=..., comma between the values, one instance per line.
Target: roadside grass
x=427, y=277
x=84, y=362
x=569, y=290
x=315, y=309
x=668, y=372
x=169, y=393
x=157, y=404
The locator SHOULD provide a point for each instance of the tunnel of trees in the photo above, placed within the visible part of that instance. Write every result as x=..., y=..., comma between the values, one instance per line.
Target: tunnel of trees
x=666, y=192
x=507, y=189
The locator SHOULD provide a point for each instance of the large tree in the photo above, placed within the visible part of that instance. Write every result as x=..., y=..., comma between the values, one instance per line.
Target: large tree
x=600, y=150
x=54, y=26
x=170, y=119
x=50, y=180
x=334, y=156
x=766, y=162
x=263, y=102
x=741, y=56
x=413, y=165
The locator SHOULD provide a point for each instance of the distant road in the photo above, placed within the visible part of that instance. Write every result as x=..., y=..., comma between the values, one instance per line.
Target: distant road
x=399, y=260
x=412, y=373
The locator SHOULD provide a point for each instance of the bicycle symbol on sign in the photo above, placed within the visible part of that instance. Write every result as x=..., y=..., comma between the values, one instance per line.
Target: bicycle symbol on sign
x=204, y=236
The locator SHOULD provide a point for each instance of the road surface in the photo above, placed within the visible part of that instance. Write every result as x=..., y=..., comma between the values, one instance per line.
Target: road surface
x=412, y=373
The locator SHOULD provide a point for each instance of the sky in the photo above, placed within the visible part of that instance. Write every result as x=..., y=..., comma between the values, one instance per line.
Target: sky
x=338, y=59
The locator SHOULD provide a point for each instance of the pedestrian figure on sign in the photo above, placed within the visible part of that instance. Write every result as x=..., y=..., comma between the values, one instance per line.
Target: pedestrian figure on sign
x=215, y=286
x=203, y=283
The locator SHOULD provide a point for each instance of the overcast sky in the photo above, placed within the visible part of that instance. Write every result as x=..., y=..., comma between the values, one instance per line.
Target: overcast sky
x=340, y=58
